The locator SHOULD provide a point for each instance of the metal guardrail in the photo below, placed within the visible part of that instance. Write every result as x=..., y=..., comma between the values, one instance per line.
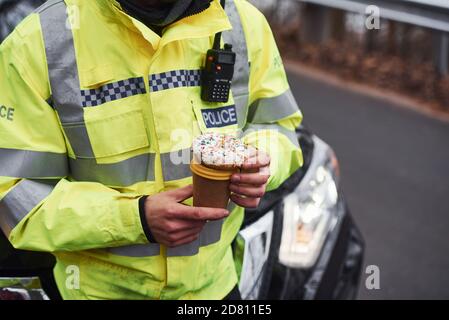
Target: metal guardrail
x=431, y=3
x=432, y=14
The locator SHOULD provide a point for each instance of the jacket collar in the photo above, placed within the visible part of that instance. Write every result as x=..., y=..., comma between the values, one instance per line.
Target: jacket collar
x=203, y=24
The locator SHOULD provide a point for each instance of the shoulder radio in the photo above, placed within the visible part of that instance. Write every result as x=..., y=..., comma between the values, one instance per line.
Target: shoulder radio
x=216, y=76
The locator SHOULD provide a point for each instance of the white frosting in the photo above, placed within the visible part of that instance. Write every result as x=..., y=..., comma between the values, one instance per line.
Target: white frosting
x=219, y=149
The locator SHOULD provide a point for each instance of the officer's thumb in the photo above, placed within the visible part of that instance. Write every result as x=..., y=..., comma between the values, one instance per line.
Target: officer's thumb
x=182, y=194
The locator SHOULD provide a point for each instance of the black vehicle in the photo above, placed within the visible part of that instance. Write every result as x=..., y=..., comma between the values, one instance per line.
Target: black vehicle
x=300, y=243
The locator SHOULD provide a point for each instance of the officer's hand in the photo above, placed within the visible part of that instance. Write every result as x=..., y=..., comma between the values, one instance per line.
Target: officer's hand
x=249, y=186
x=173, y=223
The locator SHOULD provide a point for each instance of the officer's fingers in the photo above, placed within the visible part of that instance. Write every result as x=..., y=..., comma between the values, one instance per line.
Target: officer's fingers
x=245, y=202
x=199, y=213
x=256, y=179
x=185, y=240
x=265, y=171
x=181, y=194
x=177, y=225
x=248, y=191
x=261, y=159
x=176, y=236
x=251, y=152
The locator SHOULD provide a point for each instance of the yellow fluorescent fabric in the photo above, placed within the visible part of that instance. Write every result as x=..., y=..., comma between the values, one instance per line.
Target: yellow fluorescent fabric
x=79, y=221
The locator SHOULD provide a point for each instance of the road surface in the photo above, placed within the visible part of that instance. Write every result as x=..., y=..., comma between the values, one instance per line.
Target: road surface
x=395, y=175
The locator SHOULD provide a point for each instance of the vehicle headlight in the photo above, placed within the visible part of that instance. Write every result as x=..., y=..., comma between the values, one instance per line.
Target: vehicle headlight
x=309, y=210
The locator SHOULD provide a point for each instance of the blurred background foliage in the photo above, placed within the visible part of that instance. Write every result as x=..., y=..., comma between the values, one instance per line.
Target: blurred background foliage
x=399, y=57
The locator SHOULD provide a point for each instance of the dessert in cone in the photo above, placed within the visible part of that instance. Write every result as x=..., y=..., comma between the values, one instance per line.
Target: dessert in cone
x=215, y=158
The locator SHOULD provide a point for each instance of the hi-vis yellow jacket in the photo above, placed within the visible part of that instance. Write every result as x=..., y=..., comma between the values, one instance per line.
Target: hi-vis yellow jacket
x=96, y=110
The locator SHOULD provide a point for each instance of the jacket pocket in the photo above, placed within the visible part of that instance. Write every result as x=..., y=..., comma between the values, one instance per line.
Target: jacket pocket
x=97, y=76
x=117, y=134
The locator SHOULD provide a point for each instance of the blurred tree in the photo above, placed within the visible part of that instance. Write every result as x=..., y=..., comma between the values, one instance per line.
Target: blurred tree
x=405, y=41
x=441, y=52
x=371, y=39
x=391, y=37
x=338, y=24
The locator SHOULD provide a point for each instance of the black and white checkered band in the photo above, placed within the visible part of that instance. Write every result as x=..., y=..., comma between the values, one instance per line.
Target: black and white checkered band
x=113, y=91
x=174, y=79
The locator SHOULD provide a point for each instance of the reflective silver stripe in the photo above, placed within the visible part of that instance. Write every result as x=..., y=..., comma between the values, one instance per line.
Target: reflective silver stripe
x=231, y=206
x=79, y=140
x=137, y=250
x=63, y=73
x=19, y=201
x=185, y=250
x=61, y=60
x=240, y=82
x=120, y=174
x=176, y=164
x=241, y=106
x=210, y=234
x=32, y=164
x=291, y=135
x=269, y=110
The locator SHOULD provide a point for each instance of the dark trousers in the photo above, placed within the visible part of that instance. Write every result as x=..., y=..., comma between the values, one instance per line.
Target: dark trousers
x=234, y=294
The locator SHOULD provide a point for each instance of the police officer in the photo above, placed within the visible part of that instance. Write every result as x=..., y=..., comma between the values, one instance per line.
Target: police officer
x=94, y=162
